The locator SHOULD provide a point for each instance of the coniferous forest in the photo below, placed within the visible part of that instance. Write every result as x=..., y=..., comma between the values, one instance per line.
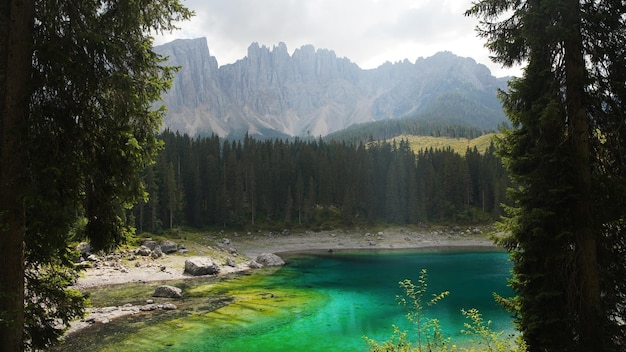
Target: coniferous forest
x=206, y=181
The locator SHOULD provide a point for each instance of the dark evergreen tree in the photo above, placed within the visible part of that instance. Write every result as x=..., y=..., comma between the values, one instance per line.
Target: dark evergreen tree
x=563, y=109
x=81, y=125
x=310, y=201
x=148, y=208
x=300, y=196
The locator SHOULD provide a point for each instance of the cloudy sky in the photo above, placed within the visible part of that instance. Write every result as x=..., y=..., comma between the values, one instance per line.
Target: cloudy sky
x=368, y=32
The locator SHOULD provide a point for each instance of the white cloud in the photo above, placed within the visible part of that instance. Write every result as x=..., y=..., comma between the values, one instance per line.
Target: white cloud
x=368, y=32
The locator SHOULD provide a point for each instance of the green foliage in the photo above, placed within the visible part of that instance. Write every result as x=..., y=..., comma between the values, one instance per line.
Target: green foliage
x=428, y=332
x=492, y=341
x=397, y=343
x=51, y=305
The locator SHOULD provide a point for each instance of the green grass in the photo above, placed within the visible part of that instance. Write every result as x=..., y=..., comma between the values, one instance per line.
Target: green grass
x=459, y=145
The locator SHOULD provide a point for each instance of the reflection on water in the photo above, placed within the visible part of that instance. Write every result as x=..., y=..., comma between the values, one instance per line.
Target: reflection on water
x=314, y=303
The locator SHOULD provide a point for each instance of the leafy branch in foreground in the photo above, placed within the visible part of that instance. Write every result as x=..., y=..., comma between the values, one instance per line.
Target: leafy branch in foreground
x=428, y=330
x=429, y=335
x=491, y=340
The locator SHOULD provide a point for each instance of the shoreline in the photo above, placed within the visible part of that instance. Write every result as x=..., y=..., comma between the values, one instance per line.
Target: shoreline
x=171, y=267
x=248, y=247
x=442, y=248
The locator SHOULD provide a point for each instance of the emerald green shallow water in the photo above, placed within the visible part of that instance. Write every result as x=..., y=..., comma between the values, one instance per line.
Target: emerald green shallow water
x=319, y=302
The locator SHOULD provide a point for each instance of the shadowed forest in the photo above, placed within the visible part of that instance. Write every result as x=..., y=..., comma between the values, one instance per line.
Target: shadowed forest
x=211, y=182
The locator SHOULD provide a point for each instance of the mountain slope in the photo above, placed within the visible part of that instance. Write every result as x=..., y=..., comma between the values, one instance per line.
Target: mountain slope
x=313, y=92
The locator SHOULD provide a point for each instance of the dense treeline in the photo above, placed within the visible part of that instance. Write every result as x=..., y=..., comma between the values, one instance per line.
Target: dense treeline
x=207, y=181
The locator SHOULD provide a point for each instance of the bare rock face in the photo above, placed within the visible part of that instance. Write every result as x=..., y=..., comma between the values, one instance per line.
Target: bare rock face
x=201, y=266
x=167, y=291
x=270, y=259
x=313, y=92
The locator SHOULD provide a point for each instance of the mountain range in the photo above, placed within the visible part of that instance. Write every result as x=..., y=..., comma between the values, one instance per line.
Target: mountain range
x=312, y=92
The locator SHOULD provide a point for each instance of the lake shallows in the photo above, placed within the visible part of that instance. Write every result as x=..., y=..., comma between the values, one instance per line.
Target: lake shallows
x=320, y=302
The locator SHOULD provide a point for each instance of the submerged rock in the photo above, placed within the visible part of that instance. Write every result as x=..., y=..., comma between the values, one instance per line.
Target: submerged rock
x=168, y=306
x=270, y=259
x=201, y=266
x=168, y=292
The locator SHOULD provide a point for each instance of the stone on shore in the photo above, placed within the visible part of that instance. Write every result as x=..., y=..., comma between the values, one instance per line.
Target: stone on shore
x=156, y=253
x=270, y=259
x=201, y=266
x=155, y=306
x=168, y=306
x=85, y=249
x=143, y=251
x=151, y=244
x=254, y=265
x=167, y=291
x=169, y=247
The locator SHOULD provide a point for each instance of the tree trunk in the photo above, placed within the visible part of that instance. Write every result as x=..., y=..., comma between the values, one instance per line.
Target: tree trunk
x=589, y=304
x=16, y=33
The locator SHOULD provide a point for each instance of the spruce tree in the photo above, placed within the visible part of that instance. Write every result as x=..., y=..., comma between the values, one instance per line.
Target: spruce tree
x=85, y=79
x=565, y=152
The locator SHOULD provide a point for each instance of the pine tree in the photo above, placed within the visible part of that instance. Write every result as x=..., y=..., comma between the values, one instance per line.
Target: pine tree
x=562, y=110
x=84, y=130
x=300, y=197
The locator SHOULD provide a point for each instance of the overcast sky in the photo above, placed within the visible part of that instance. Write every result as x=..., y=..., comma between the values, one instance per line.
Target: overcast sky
x=368, y=32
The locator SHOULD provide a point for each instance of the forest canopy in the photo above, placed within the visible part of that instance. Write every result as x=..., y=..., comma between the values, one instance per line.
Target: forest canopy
x=207, y=181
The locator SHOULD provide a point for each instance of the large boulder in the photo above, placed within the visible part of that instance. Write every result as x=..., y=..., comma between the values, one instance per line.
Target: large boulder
x=168, y=292
x=156, y=253
x=150, y=244
x=169, y=247
x=143, y=251
x=269, y=259
x=201, y=266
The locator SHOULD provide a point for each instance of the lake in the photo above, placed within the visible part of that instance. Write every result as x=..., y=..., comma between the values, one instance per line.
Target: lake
x=317, y=302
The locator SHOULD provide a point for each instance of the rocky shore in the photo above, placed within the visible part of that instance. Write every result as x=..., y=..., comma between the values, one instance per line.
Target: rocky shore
x=223, y=254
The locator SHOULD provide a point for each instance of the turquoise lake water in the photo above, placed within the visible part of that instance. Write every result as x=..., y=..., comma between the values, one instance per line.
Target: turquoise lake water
x=326, y=302
x=361, y=290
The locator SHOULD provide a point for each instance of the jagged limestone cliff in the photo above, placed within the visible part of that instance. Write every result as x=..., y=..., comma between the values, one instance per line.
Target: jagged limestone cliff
x=313, y=92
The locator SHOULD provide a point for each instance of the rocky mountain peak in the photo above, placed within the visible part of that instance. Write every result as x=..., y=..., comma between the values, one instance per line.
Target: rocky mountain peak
x=312, y=91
